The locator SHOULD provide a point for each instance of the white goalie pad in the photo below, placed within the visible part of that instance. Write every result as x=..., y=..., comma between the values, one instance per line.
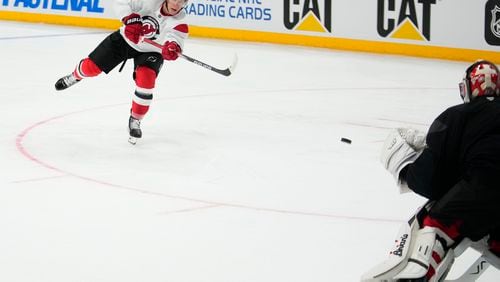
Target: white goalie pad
x=398, y=257
x=418, y=248
x=411, y=258
x=423, y=254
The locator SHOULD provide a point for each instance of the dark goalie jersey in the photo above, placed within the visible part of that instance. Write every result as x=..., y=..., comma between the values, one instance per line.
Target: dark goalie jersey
x=463, y=143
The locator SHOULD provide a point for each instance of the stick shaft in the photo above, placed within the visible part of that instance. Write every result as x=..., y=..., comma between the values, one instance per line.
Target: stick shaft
x=225, y=72
x=476, y=269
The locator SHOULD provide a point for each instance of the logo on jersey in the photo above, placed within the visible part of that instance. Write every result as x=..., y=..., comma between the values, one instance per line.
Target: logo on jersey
x=405, y=19
x=150, y=27
x=492, y=23
x=308, y=15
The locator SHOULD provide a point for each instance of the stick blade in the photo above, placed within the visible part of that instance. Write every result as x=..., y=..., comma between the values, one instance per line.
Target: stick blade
x=235, y=62
x=132, y=140
x=228, y=71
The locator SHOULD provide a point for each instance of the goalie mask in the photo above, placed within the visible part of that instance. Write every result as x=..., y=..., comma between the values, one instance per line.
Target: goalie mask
x=480, y=79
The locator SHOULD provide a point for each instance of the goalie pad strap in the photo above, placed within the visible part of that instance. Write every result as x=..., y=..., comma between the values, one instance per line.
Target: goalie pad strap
x=417, y=262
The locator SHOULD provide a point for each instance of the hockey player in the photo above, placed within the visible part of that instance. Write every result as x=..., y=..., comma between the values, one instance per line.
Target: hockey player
x=162, y=21
x=456, y=165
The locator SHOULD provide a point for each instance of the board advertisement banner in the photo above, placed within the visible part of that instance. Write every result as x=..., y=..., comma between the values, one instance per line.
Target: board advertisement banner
x=449, y=29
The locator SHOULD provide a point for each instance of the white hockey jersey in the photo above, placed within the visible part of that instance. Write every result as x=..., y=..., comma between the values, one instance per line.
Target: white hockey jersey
x=156, y=25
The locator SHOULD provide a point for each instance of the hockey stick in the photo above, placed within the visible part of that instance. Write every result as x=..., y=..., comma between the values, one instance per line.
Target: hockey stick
x=473, y=272
x=225, y=72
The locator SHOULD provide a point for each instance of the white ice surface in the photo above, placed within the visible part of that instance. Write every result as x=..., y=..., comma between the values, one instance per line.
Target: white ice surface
x=237, y=179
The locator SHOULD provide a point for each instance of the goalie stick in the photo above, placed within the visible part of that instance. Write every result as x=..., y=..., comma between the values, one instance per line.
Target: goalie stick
x=225, y=72
x=476, y=269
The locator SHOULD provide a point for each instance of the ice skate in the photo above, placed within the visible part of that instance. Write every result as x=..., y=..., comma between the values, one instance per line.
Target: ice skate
x=66, y=81
x=134, y=129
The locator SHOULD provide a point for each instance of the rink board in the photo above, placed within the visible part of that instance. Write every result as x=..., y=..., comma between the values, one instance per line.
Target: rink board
x=423, y=28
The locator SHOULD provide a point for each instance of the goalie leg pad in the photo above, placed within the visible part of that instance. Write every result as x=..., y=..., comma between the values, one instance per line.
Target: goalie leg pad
x=429, y=256
x=423, y=255
x=422, y=252
x=398, y=257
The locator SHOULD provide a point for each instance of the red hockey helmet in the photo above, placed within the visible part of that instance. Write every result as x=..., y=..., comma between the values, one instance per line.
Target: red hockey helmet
x=480, y=79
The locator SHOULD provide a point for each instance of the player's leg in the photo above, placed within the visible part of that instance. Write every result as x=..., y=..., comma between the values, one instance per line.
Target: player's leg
x=106, y=56
x=147, y=68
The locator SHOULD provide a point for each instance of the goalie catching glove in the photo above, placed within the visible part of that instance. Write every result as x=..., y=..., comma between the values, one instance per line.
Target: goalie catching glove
x=402, y=147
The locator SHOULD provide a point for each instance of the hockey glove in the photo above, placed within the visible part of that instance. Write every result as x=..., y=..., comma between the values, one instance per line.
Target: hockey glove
x=402, y=147
x=133, y=27
x=414, y=138
x=170, y=51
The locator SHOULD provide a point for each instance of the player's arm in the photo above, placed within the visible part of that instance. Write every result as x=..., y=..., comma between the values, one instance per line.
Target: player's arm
x=129, y=12
x=436, y=164
x=174, y=41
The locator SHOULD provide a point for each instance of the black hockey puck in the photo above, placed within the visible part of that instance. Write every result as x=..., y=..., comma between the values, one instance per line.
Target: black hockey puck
x=345, y=140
